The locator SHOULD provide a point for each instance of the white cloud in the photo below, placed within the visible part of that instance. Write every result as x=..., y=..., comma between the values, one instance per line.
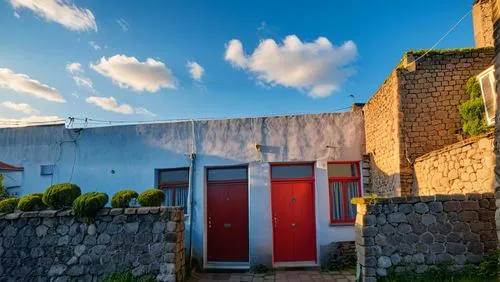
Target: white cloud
x=110, y=104
x=30, y=120
x=63, y=12
x=21, y=107
x=22, y=83
x=128, y=72
x=123, y=24
x=144, y=112
x=318, y=67
x=94, y=45
x=196, y=70
x=78, y=75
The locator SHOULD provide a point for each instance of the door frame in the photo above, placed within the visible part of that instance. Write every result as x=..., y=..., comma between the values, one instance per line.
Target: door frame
x=222, y=265
x=312, y=182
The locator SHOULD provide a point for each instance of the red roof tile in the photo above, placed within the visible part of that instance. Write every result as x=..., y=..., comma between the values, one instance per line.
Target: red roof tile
x=4, y=166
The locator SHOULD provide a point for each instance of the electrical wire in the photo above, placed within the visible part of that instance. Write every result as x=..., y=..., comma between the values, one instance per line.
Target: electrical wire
x=445, y=35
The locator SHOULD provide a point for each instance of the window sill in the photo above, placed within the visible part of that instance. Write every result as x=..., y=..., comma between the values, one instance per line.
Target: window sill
x=341, y=224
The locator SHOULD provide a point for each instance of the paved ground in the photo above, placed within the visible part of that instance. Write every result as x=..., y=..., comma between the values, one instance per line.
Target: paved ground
x=279, y=275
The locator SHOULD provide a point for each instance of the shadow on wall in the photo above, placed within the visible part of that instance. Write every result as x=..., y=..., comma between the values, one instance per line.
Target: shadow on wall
x=381, y=182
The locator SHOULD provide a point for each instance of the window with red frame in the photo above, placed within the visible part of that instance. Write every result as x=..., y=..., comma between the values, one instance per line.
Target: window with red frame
x=344, y=183
x=175, y=184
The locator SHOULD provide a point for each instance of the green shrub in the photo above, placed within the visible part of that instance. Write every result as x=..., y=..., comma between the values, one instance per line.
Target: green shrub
x=88, y=204
x=8, y=205
x=473, y=116
x=127, y=276
x=121, y=199
x=3, y=191
x=31, y=202
x=61, y=195
x=151, y=198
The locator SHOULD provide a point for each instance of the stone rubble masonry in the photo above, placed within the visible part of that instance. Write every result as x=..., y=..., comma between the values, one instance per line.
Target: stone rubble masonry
x=483, y=23
x=415, y=112
x=464, y=167
x=55, y=246
x=418, y=232
x=382, y=136
x=496, y=34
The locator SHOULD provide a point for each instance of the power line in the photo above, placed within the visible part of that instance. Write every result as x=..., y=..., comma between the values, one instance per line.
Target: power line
x=445, y=35
x=84, y=122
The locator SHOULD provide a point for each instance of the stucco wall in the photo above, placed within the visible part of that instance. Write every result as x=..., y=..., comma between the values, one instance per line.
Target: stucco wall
x=133, y=152
x=382, y=137
x=463, y=167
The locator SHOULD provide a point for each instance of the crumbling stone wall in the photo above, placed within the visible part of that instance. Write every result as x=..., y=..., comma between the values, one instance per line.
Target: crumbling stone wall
x=496, y=34
x=416, y=112
x=464, y=167
x=430, y=94
x=54, y=245
x=482, y=19
x=381, y=116
x=415, y=233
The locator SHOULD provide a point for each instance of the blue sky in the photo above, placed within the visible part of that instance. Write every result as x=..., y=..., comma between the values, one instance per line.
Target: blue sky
x=292, y=71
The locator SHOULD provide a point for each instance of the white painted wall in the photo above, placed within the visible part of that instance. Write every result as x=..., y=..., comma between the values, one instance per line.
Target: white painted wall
x=87, y=157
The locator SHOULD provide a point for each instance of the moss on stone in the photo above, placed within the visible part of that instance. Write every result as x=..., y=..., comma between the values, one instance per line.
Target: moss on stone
x=61, y=195
x=121, y=199
x=8, y=205
x=88, y=204
x=151, y=198
x=31, y=202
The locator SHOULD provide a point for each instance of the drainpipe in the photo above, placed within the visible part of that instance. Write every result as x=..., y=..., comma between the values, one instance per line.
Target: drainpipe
x=192, y=157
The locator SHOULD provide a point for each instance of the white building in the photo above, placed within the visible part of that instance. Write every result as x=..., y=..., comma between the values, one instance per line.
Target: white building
x=268, y=190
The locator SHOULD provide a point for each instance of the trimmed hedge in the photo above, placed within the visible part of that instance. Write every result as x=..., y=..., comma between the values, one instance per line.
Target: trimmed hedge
x=31, y=202
x=8, y=205
x=121, y=199
x=61, y=195
x=151, y=198
x=88, y=204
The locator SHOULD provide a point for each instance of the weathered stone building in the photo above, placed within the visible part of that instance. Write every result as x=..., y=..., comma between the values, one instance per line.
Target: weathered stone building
x=415, y=112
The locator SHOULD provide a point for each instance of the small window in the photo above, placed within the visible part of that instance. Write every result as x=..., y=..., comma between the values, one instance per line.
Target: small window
x=229, y=173
x=47, y=169
x=487, y=81
x=344, y=184
x=291, y=171
x=175, y=184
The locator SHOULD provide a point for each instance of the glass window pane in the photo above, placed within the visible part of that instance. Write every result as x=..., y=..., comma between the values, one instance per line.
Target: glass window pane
x=174, y=175
x=292, y=171
x=352, y=192
x=169, y=196
x=337, y=201
x=227, y=173
x=342, y=170
x=181, y=197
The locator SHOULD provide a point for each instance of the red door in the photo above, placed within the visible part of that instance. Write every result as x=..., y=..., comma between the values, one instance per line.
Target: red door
x=227, y=222
x=294, y=231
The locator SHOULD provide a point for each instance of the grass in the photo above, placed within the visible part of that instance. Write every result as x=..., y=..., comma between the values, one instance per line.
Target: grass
x=127, y=276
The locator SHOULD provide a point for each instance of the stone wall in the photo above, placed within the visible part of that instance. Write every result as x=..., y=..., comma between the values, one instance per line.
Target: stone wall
x=55, y=246
x=415, y=233
x=483, y=23
x=464, y=167
x=430, y=94
x=415, y=112
x=381, y=115
x=496, y=34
